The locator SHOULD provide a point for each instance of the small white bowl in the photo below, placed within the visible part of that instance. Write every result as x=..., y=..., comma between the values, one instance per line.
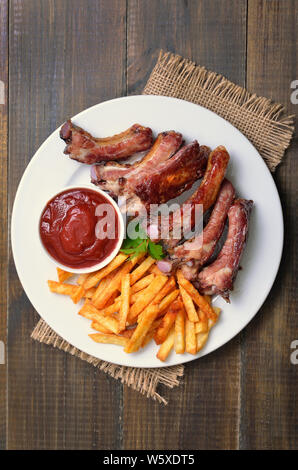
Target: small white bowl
x=107, y=260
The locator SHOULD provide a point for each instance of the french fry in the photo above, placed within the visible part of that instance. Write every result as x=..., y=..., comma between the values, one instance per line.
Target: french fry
x=99, y=275
x=166, y=324
x=166, y=301
x=141, y=269
x=89, y=293
x=204, y=326
x=82, y=278
x=151, y=332
x=179, y=343
x=148, y=295
x=190, y=337
x=111, y=300
x=197, y=298
x=168, y=287
x=155, y=270
x=78, y=294
x=115, y=282
x=148, y=338
x=109, y=339
x=142, y=329
x=135, y=291
x=125, y=301
x=201, y=340
x=202, y=337
x=63, y=275
x=128, y=333
x=166, y=346
x=61, y=288
x=98, y=327
x=188, y=304
x=89, y=311
x=142, y=283
x=201, y=327
x=101, y=288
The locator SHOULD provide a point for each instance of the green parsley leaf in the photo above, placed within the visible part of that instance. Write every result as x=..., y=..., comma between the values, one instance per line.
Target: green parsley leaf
x=142, y=244
x=155, y=250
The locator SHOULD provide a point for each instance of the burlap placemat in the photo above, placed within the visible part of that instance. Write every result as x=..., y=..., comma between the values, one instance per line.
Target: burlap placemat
x=264, y=123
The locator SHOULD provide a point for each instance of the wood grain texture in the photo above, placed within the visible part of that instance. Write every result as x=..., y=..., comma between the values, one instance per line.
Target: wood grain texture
x=64, y=56
x=269, y=390
x=203, y=413
x=3, y=212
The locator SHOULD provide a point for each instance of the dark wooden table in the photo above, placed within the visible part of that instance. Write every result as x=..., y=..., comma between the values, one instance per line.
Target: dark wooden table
x=58, y=57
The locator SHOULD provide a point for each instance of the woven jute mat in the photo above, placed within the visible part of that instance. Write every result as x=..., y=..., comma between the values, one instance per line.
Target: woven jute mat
x=264, y=123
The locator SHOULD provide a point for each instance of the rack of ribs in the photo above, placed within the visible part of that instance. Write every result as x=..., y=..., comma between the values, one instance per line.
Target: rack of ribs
x=163, y=174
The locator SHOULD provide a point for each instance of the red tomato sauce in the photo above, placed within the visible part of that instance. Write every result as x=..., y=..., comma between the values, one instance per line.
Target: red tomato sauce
x=68, y=228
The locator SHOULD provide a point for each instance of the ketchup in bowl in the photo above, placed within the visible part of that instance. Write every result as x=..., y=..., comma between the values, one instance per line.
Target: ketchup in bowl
x=79, y=227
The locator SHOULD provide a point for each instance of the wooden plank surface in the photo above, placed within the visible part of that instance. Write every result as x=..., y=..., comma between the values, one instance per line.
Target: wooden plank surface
x=77, y=53
x=64, y=56
x=203, y=412
x=3, y=213
x=269, y=386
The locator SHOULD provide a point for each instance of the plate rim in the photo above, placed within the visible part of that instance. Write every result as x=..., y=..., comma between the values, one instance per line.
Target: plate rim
x=182, y=359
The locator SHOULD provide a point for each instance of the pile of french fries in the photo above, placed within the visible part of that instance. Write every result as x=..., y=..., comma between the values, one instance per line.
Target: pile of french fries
x=131, y=302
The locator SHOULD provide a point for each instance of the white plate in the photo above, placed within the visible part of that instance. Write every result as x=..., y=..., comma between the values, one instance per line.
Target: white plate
x=50, y=170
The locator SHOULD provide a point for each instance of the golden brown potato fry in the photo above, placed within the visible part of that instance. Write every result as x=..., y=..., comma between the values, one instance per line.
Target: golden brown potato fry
x=63, y=275
x=125, y=301
x=142, y=283
x=99, y=275
x=78, y=294
x=166, y=346
x=109, y=339
x=196, y=296
x=201, y=327
x=111, y=300
x=141, y=269
x=166, y=324
x=82, y=278
x=142, y=329
x=190, y=337
x=61, y=288
x=166, y=302
x=128, y=333
x=155, y=270
x=179, y=343
x=203, y=336
x=188, y=304
x=89, y=293
x=168, y=287
x=148, y=295
x=89, y=311
x=101, y=288
x=149, y=336
x=98, y=327
x=115, y=283
x=201, y=340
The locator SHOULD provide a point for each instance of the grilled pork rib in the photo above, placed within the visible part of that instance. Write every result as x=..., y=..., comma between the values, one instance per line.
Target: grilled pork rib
x=205, y=195
x=113, y=177
x=218, y=277
x=85, y=148
x=195, y=253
